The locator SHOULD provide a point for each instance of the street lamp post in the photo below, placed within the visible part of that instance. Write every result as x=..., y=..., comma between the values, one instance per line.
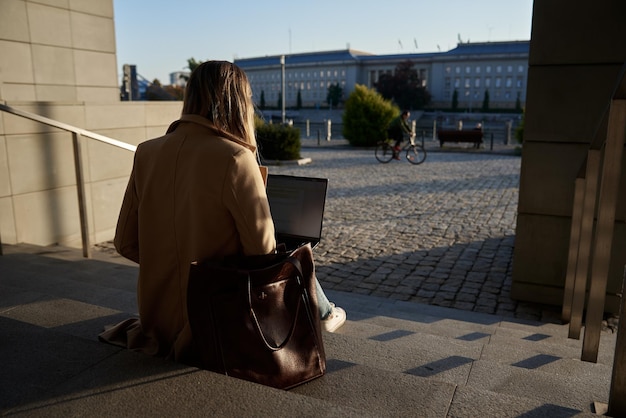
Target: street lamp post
x=282, y=89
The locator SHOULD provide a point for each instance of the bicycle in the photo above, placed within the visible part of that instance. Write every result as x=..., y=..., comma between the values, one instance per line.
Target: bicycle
x=414, y=152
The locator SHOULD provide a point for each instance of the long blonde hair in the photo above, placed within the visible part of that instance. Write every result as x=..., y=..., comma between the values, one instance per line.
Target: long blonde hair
x=220, y=91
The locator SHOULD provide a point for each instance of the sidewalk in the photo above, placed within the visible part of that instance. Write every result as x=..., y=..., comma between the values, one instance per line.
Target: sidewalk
x=441, y=233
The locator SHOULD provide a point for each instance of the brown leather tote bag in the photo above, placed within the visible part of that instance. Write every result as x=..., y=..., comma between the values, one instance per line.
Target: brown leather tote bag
x=256, y=318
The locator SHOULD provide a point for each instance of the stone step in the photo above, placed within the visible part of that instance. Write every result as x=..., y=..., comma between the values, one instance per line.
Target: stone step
x=380, y=318
x=441, y=359
x=390, y=359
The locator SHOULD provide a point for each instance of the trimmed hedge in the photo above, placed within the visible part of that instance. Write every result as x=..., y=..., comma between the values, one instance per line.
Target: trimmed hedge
x=278, y=142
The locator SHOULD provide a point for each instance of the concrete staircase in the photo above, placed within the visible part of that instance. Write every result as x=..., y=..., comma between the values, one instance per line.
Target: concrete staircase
x=390, y=359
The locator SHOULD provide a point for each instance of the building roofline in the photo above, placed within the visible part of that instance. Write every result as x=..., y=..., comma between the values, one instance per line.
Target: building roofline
x=471, y=48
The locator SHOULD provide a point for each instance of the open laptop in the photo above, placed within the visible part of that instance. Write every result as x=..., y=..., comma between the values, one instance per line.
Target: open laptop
x=297, y=206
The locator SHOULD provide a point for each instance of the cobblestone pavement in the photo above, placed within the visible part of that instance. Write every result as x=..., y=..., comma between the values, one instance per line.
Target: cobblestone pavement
x=440, y=233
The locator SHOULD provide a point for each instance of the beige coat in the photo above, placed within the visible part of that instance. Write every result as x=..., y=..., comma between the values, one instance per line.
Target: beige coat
x=192, y=195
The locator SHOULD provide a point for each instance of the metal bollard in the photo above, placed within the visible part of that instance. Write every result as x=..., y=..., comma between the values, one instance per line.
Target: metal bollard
x=328, y=129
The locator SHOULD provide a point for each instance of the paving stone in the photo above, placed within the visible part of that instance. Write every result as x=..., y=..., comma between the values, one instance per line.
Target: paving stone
x=440, y=233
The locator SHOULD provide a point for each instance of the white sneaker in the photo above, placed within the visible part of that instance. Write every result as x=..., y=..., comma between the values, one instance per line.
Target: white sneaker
x=335, y=319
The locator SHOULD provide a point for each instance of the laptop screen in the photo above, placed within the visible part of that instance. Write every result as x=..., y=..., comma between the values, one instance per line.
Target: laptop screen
x=297, y=206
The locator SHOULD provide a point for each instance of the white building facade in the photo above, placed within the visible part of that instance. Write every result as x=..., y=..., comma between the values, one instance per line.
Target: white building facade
x=471, y=69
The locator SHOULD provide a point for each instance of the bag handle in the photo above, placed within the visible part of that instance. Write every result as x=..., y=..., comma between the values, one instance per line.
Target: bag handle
x=296, y=263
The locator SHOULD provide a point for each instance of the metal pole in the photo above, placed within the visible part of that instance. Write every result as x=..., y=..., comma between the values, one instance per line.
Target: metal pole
x=282, y=80
x=80, y=189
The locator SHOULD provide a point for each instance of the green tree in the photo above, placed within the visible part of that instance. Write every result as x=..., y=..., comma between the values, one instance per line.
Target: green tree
x=455, y=100
x=335, y=92
x=366, y=116
x=485, y=107
x=177, y=92
x=518, y=103
x=404, y=87
x=519, y=131
x=191, y=64
x=156, y=91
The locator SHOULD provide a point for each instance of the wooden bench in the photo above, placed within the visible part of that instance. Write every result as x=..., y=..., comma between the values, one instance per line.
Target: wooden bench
x=454, y=135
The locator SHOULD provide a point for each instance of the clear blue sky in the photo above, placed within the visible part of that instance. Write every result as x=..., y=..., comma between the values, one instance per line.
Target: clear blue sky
x=159, y=36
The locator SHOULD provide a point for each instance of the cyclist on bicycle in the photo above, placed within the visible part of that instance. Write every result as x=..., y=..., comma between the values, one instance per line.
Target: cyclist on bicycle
x=398, y=128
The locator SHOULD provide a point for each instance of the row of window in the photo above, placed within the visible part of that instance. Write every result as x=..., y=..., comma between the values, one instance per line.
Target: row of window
x=477, y=81
x=295, y=75
x=299, y=85
x=375, y=75
x=497, y=95
x=478, y=69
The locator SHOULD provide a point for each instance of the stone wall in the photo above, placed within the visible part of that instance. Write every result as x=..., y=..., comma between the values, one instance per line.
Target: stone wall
x=577, y=51
x=58, y=60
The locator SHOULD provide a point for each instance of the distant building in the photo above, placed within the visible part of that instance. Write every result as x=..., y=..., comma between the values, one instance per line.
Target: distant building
x=179, y=78
x=471, y=69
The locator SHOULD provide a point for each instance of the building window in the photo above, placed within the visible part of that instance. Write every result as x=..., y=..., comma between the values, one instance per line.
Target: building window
x=509, y=82
x=498, y=69
x=498, y=82
x=467, y=83
x=509, y=69
x=519, y=82
x=468, y=69
x=487, y=82
x=520, y=69
x=457, y=69
x=477, y=82
x=448, y=69
x=488, y=69
x=477, y=69
x=457, y=82
x=447, y=83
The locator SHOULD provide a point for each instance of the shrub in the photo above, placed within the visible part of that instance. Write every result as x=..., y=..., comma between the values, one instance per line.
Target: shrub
x=277, y=141
x=366, y=117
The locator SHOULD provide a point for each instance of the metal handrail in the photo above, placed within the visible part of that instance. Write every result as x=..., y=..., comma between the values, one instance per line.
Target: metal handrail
x=78, y=165
x=66, y=127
